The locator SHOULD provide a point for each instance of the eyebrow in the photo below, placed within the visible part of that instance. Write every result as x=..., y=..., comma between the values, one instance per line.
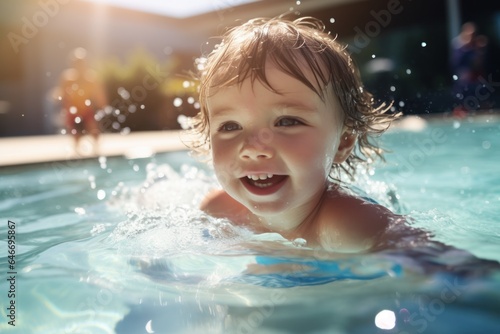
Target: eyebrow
x=297, y=105
x=215, y=112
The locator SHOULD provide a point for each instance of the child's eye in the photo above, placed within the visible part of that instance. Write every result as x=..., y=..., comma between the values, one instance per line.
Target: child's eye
x=229, y=126
x=288, y=121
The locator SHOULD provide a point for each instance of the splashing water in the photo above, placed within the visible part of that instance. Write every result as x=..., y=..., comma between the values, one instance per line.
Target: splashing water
x=145, y=259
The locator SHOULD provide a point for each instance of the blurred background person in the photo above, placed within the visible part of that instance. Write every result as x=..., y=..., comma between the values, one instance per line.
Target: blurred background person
x=81, y=94
x=468, y=66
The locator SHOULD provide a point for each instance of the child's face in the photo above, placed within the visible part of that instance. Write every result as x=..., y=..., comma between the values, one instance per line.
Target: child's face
x=273, y=152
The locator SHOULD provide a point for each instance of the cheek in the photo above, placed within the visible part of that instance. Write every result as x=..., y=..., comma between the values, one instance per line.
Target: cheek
x=315, y=154
x=223, y=161
x=216, y=147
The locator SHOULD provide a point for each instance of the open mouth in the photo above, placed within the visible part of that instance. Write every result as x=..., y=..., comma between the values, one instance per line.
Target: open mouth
x=263, y=184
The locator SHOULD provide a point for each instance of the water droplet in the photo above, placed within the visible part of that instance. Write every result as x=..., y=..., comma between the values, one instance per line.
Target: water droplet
x=299, y=242
x=97, y=228
x=373, y=56
x=332, y=20
x=424, y=44
x=408, y=71
x=80, y=211
x=455, y=77
x=101, y=194
x=393, y=89
x=184, y=122
x=401, y=103
x=177, y=102
x=486, y=145
x=123, y=93
x=297, y=2
x=122, y=118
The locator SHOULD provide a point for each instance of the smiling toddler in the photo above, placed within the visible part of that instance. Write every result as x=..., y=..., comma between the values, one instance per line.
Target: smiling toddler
x=283, y=112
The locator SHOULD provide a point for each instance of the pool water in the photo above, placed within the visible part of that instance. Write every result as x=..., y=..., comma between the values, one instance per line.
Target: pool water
x=117, y=246
x=449, y=172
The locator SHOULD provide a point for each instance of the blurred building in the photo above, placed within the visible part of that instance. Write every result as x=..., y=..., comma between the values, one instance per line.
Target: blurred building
x=402, y=46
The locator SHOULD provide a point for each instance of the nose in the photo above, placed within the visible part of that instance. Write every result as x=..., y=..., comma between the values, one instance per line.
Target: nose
x=255, y=147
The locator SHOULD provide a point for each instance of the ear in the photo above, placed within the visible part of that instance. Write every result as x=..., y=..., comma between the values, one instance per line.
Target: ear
x=347, y=142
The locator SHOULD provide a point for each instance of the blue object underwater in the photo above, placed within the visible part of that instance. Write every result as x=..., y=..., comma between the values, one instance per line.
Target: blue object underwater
x=312, y=272
x=278, y=272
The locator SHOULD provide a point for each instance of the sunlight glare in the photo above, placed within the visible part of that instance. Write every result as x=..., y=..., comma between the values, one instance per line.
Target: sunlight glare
x=177, y=9
x=385, y=319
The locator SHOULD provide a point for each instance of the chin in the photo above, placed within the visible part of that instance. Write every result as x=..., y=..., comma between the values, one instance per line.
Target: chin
x=266, y=208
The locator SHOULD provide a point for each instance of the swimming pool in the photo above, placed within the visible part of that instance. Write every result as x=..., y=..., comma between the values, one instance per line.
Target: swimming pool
x=117, y=246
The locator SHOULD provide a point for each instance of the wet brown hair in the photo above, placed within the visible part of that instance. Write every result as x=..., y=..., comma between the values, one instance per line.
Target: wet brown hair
x=244, y=52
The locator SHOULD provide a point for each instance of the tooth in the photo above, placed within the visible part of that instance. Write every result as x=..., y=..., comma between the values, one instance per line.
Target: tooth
x=257, y=177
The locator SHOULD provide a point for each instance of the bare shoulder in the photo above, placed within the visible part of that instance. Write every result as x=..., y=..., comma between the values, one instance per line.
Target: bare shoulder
x=218, y=203
x=355, y=222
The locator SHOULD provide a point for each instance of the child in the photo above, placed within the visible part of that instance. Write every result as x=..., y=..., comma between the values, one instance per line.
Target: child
x=283, y=111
